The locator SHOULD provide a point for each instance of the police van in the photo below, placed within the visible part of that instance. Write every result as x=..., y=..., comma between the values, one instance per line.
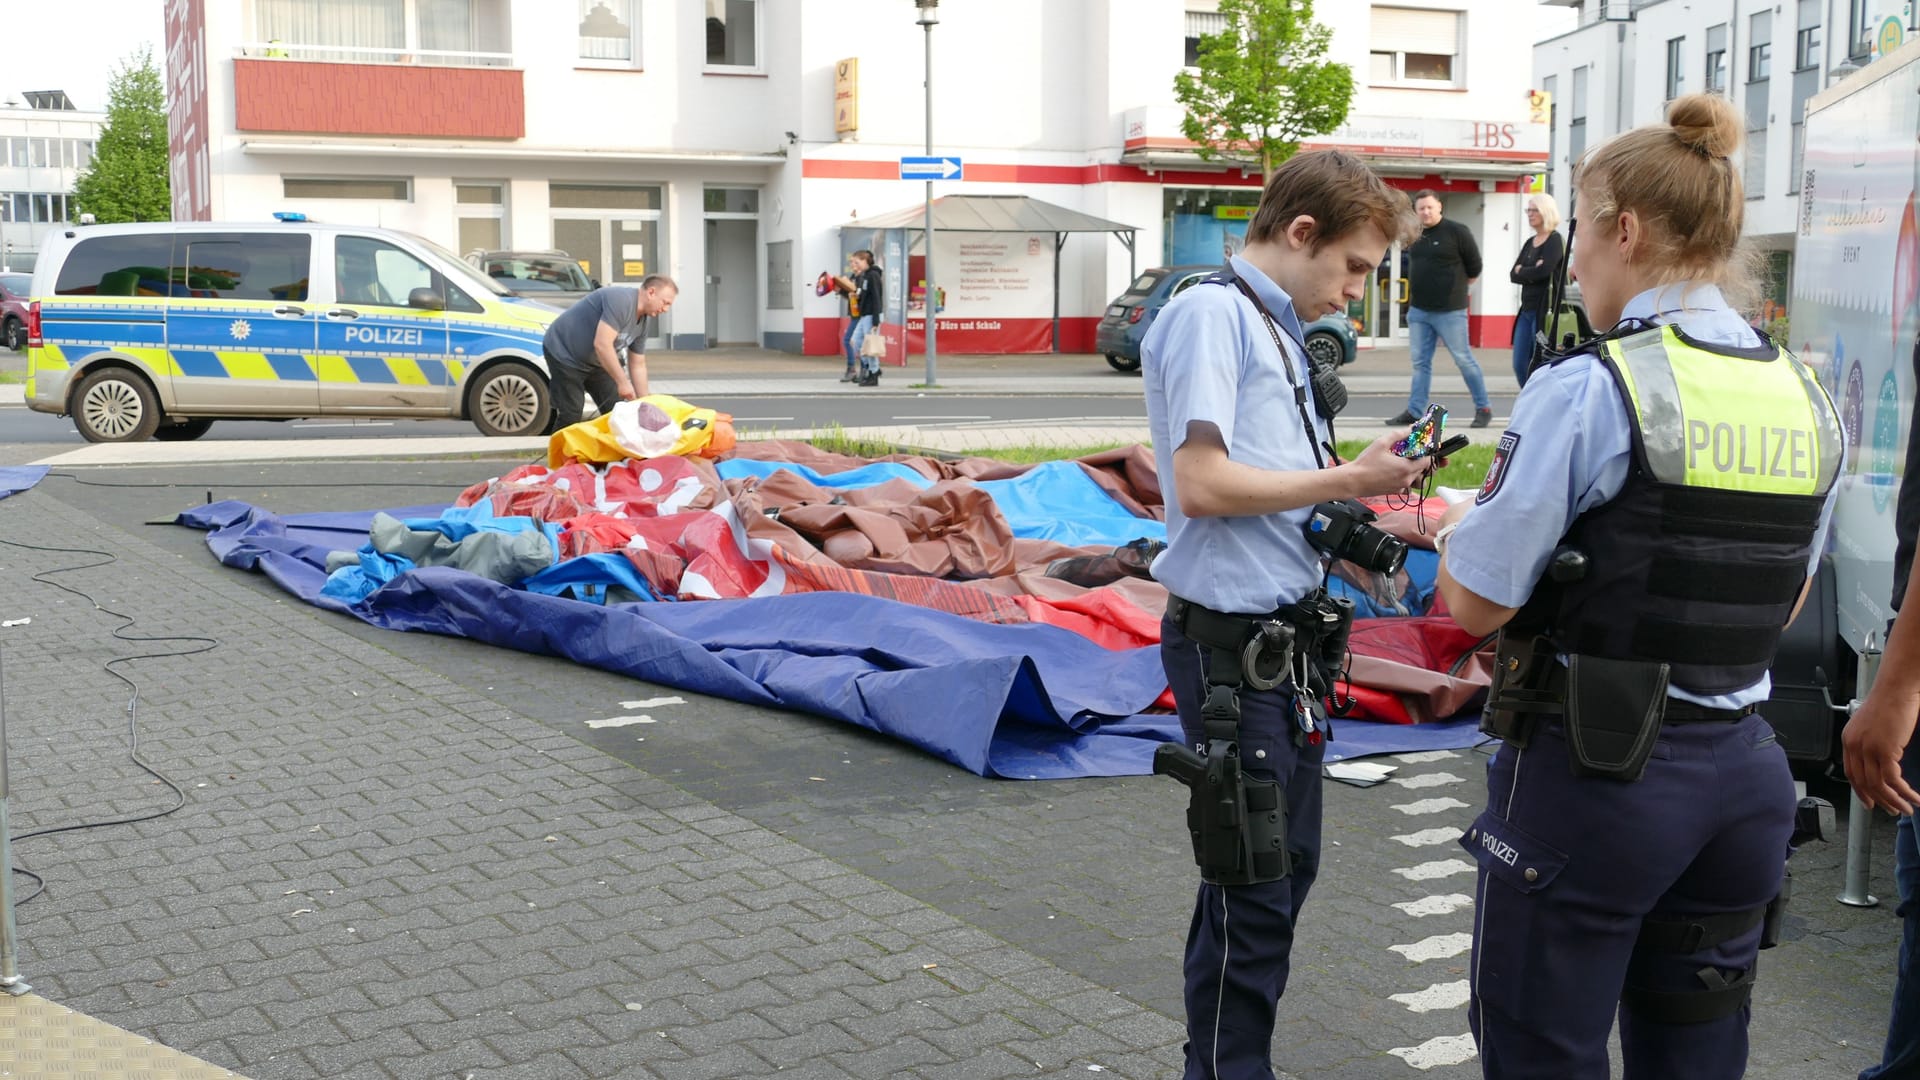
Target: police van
x=157, y=330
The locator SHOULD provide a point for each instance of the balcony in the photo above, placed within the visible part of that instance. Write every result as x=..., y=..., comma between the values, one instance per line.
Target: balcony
x=385, y=92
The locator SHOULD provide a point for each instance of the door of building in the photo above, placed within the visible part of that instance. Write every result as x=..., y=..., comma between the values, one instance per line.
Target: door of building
x=613, y=231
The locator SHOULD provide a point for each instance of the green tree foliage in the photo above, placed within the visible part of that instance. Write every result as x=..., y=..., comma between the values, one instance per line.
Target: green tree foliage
x=1264, y=84
x=128, y=178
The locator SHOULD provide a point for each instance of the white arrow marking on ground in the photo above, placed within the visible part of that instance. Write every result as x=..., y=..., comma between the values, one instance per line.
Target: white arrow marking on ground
x=1427, y=780
x=1427, y=871
x=1422, y=757
x=1450, y=995
x=1445, y=1050
x=1436, y=905
x=1430, y=806
x=620, y=721
x=653, y=702
x=1429, y=837
x=1435, y=948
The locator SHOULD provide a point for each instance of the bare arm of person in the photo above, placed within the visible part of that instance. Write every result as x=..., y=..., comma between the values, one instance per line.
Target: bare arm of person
x=603, y=351
x=1876, y=737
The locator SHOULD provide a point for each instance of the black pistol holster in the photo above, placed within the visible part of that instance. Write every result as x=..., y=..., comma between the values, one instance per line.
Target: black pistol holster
x=1238, y=823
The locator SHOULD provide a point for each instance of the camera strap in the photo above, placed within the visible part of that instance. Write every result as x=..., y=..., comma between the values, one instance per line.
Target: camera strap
x=1300, y=392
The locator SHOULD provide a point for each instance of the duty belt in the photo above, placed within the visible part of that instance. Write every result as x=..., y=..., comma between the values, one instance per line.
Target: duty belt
x=1676, y=712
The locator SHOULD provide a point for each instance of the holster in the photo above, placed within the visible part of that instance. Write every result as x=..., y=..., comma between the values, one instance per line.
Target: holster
x=1614, y=709
x=1523, y=664
x=1238, y=824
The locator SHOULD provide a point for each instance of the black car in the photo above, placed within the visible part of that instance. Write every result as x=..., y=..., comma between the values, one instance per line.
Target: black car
x=1330, y=339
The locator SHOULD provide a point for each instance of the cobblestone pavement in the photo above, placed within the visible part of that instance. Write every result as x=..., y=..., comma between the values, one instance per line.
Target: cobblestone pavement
x=418, y=857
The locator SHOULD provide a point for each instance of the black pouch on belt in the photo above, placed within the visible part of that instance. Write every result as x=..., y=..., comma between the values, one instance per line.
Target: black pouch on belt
x=1614, y=708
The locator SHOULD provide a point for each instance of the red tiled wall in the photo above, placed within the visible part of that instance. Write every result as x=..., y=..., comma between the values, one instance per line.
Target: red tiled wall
x=378, y=99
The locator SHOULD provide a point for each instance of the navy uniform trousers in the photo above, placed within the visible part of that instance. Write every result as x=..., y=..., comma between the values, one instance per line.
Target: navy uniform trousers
x=1238, y=945
x=1569, y=866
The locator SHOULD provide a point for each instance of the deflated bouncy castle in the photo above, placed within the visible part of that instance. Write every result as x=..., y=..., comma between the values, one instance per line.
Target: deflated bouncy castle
x=998, y=616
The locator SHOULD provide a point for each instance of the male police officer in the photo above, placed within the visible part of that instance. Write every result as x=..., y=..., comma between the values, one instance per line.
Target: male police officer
x=1240, y=463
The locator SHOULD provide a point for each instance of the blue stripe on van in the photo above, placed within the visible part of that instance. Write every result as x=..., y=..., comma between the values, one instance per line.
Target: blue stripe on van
x=291, y=368
x=199, y=365
x=371, y=370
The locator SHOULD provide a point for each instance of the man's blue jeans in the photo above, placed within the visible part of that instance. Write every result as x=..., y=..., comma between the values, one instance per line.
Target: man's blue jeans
x=1450, y=327
x=1901, y=1058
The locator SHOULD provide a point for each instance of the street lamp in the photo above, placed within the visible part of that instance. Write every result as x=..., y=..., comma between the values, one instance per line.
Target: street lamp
x=929, y=18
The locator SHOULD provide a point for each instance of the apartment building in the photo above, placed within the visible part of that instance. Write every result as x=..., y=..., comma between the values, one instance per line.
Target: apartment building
x=45, y=143
x=1629, y=58
x=728, y=142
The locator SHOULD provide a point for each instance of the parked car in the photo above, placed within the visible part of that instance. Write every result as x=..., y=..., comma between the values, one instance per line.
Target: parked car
x=157, y=330
x=551, y=277
x=1330, y=339
x=13, y=310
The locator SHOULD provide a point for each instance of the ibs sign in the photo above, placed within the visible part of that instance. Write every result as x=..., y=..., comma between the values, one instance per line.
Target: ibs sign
x=186, y=22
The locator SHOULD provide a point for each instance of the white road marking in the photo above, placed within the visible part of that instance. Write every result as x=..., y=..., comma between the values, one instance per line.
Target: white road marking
x=1445, y=1050
x=621, y=721
x=1427, y=780
x=1422, y=757
x=1430, y=806
x=1429, y=837
x=653, y=702
x=1436, y=905
x=758, y=419
x=1438, y=947
x=937, y=417
x=1428, y=871
x=1450, y=995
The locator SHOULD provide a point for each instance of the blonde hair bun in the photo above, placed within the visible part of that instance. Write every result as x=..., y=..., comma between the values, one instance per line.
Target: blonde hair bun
x=1706, y=124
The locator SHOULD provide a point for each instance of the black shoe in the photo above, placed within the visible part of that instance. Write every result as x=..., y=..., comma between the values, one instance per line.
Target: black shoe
x=872, y=378
x=1405, y=419
x=1482, y=417
x=850, y=376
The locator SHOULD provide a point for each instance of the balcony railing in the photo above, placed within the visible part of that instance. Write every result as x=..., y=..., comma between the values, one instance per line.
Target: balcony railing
x=358, y=54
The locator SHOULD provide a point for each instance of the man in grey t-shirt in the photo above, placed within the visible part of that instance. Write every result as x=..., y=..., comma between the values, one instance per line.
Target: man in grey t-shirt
x=585, y=346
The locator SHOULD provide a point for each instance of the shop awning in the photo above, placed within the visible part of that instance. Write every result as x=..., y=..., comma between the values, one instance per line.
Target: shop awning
x=1008, y=214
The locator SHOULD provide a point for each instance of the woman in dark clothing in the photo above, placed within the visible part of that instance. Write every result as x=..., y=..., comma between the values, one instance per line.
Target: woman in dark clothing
x=1533, y=271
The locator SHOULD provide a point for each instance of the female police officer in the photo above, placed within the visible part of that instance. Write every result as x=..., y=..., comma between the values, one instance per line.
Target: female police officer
x=1646, y=529
x=1239, y=456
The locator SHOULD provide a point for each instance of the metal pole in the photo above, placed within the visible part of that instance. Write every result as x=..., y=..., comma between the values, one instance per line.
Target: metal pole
x=10, y=980
x=932, y=293
x=1859, y=818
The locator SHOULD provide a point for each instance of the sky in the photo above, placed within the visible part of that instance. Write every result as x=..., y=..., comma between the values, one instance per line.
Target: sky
x=50, y=49
x=113, y=29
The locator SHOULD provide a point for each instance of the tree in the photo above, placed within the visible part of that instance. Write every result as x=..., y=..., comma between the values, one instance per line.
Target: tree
x=1263, y=85
x=128, y=178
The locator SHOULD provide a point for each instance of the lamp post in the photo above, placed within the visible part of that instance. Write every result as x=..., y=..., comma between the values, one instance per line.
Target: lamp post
x=929, y=17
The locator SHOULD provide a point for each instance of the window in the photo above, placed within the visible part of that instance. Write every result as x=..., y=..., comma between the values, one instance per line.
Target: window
x=368, y=271
x=1859, y=30
x=609, y=33
x=1759, y=70
x=127, y=265
x=603, y=197
x=236, y=266
x=1577, y=116
x=481, y=216
x=1415, y=46
x=467, y=32
x=733, y=33
x=1201, y=24
x=731, y=200
x=1806, y=44
x=1676, y=67
x=39, y=158
x=84, y=154
x=397, y=189
x=1716, y=82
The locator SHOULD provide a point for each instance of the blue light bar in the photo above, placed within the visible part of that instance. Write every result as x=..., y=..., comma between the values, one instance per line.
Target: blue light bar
x=288, y=215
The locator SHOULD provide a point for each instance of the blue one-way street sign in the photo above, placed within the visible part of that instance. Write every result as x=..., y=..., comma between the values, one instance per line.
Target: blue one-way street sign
x=931, y=168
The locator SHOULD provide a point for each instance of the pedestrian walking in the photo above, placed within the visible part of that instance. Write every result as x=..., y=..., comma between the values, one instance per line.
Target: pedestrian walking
x=1533, y=270
x=862, y=285
x=1442, y=264
x=599, y=346
x=1640, y=568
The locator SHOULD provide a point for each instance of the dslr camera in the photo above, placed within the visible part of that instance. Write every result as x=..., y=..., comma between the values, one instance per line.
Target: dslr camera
x=1344, y=529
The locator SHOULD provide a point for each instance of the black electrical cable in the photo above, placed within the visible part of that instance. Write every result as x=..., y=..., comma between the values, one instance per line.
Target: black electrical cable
x=203, y=644
x=200, y=485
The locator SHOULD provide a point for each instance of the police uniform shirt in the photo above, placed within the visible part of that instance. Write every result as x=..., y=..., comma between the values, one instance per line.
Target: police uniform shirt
x=1567, y=450
x=1208, y=357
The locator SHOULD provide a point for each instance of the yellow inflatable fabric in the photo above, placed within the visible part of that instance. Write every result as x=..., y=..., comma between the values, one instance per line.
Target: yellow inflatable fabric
x=652, y=426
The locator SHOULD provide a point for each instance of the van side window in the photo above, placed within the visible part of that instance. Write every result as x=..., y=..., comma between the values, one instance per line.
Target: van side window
x=369, y=271
x=128, y=265
x=242, y=266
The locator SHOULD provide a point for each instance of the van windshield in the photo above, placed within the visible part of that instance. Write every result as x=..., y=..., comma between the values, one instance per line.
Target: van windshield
x=457, y=267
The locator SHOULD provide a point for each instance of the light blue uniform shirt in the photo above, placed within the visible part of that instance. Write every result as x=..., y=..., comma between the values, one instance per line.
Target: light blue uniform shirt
x=1571, y=447
x=1208, y=357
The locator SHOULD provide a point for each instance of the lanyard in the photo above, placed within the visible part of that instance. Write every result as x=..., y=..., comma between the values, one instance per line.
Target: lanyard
x=1293, y=379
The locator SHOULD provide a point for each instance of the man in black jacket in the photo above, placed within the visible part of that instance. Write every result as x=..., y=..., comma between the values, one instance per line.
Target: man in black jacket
x=1442, y=264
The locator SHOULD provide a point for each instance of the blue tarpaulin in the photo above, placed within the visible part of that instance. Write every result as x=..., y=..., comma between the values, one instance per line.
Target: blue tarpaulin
x=15, y=479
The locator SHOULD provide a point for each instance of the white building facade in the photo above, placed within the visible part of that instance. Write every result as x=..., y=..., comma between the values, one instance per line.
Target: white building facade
x=1629, y=58
x=45, y=144
x=704, y=138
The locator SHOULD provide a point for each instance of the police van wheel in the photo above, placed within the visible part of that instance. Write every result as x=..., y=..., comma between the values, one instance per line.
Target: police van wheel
x=509, y=399
x=184, y=431
x=115, y=405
